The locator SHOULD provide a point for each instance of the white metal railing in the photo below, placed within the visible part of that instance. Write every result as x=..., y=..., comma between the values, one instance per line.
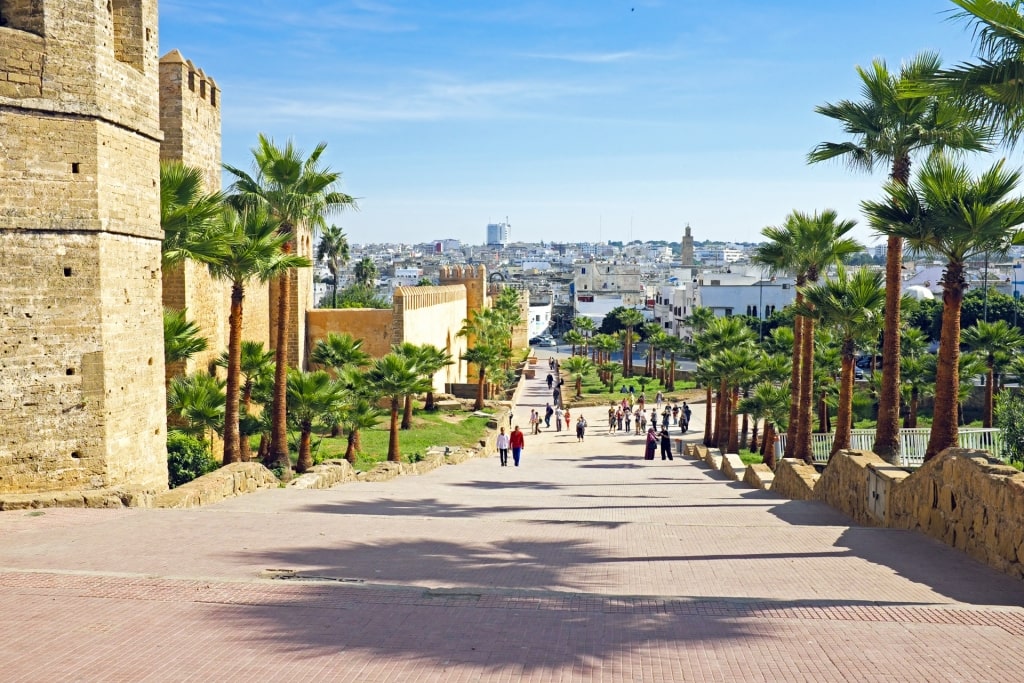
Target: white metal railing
x=913, y=443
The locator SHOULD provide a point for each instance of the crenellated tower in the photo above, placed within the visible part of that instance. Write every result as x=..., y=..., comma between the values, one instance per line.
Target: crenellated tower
x=82, y=402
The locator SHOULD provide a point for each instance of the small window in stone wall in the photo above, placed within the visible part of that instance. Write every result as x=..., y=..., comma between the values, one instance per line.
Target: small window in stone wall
x=22, y=15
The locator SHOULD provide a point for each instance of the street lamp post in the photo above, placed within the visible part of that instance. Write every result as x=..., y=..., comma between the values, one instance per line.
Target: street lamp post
x=760, y=310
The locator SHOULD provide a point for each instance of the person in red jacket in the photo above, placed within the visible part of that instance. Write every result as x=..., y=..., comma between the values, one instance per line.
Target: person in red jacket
x=516, y=441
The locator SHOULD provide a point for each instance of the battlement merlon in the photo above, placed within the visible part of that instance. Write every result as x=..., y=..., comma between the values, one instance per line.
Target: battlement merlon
x=82, y=58
x=191, y=80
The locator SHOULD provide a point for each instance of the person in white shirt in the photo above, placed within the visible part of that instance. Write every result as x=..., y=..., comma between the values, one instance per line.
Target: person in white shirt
x=503, y=443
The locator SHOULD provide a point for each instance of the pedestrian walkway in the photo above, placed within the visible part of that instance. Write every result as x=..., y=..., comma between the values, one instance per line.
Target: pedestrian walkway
x=584, y=564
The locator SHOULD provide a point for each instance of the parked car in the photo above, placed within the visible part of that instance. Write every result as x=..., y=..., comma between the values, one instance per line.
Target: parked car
x=543, y=340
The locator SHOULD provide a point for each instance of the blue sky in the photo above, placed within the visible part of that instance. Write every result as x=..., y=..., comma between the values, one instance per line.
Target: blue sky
x=576, y=119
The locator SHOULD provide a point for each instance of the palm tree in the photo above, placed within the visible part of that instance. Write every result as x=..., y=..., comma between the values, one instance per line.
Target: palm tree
x=774, y=402
x=256, y=254
x=586, y=327
x=187, y=215
x=578, y=367
x=431, y=361
x=609, y=370
x=991, y=340
x=720, y=334
x=917, y=374
x=333, y=248
x=851, y=305
x=365, y=272
x=994, y=85
x=427, y=359
x=297, y=191
x=256, y=365
x=629, y=318
x=700, y=318
x=487, y=335
x=887, y=126
x=575, y=339
x=806, y=245
x=311, y=396
x=198, y=400
x=339, y=351
x=394, y=377
x=360, y=413
x=675, y=346
x=949, y=214
x=182, y=338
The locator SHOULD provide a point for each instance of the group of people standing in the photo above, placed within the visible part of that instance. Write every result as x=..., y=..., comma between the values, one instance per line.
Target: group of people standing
x=629, y=413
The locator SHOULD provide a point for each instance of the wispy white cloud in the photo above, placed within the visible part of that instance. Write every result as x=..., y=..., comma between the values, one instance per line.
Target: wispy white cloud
x=589, y=57
x=434, y=97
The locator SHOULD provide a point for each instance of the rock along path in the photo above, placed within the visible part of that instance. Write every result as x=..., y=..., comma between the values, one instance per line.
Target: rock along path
x=584, y=564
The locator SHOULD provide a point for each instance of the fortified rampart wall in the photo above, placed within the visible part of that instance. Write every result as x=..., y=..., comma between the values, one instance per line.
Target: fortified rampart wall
x=82, y=401
x=434, y=315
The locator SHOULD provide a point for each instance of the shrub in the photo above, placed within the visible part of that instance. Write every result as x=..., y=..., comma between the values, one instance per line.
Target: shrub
x=1009, y=416
x=187, y=458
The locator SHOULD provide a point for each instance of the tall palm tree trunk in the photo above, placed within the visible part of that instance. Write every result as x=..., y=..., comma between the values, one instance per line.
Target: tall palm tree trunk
x=720, y=414
x=350, y=448
x=734, y=432
x=707, y=415
x=481, y=378
x=393, y=454
x=232, y=447
x=768, y=445
x=305, y=460
x=945, y=430
x=803, y=432
x=278, y=455
x=843, y=415
x=794, y=382
x=887, y=429
x=407, y=413
x=244, y=447
x=990, y=388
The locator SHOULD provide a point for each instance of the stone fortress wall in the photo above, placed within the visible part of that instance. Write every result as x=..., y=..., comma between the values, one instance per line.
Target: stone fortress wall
x=87, y=111
x=420, y=315
x=82, y=397
x=434, y=315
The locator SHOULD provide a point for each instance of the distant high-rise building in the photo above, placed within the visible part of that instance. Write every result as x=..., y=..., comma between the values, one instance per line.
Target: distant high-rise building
x=687, y=254
x=498, y=234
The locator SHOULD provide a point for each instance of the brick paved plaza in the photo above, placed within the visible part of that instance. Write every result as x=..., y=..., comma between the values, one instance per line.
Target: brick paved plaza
x=584, y=564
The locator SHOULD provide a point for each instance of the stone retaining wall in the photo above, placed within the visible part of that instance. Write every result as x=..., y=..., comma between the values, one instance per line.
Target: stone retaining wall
x=969, y=501
x=227, y=482
x=795, y=479
x=759, y=476
x=844, y=484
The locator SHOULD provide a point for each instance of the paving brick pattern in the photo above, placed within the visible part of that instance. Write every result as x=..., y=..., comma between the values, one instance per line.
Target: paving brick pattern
x=584, y=564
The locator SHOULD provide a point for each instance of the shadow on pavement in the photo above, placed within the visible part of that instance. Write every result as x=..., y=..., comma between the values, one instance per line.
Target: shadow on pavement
x=509, y=603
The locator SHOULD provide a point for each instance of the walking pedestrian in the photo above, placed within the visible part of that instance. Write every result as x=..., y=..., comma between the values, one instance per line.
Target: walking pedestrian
x=675, y=413
x=626, y=416
x=551, y=381
x=611, y=419
x=581, y=428
x=658, y=399
x=558, y=418
x=567, y=418
x=517, y=442
x=534, y=422
x=666, y=443
x=651, y=444
x=548, y=412
x=503, y=446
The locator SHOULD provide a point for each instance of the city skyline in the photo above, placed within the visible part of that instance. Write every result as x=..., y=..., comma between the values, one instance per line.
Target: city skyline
x=578, y=121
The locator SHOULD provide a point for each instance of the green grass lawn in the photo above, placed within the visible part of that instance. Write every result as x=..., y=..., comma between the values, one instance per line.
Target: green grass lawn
x=428, y=429
x=593, y=388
